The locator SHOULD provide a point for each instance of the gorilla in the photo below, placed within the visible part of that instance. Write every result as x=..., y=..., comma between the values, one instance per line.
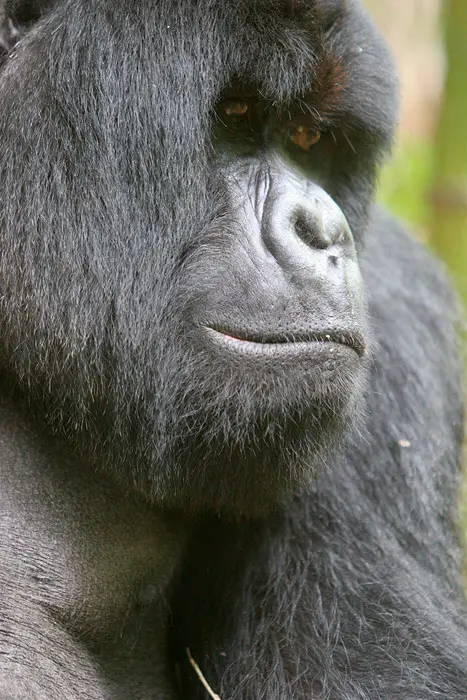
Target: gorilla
x=230, y=415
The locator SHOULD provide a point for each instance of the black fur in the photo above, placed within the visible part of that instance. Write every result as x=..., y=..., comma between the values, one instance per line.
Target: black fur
x=292, y=522
x=353, y=591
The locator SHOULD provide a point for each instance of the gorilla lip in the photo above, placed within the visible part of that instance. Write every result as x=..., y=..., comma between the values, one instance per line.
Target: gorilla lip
x=272, y=342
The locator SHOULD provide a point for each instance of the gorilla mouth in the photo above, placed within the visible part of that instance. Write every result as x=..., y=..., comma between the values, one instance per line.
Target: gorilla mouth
x=272, y=342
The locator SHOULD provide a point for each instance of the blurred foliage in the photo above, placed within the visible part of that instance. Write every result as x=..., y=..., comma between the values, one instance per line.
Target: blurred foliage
x=426, y=182
x=449, y=193
x=405, y=182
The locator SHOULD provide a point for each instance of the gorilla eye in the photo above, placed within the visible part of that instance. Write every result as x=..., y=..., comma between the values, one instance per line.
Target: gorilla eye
x=239, y=114
x=241, y=120
x=304, y=137
x=237, y=109
x=234, y=113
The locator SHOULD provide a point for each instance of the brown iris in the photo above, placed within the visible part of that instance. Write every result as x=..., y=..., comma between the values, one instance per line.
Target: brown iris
x=304, y=137
x=236, y=109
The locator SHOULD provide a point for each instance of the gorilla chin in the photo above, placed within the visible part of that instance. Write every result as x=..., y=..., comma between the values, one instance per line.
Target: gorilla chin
x=269, y=461
x=242, y=450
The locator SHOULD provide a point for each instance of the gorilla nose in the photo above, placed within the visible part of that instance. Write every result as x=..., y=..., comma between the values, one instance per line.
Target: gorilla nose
x=318, y=223
x=307, y=233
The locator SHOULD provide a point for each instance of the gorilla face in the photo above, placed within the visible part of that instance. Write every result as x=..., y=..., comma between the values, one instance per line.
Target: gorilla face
x=193, y=316
x=275, y=325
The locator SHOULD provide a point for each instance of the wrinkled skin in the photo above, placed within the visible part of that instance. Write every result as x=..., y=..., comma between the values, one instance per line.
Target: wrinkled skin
x=231, y=414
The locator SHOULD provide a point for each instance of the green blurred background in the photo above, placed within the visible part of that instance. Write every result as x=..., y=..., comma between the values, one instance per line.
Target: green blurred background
x=426, y=181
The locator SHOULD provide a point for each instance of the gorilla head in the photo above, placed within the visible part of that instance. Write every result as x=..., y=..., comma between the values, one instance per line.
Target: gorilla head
x=189, y=307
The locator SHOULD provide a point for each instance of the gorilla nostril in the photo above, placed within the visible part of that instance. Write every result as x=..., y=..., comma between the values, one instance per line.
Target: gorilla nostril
x=300, y=226
x=311, y=230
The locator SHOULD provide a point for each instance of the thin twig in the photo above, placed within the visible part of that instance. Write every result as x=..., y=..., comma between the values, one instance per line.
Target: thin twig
x=199, y=673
